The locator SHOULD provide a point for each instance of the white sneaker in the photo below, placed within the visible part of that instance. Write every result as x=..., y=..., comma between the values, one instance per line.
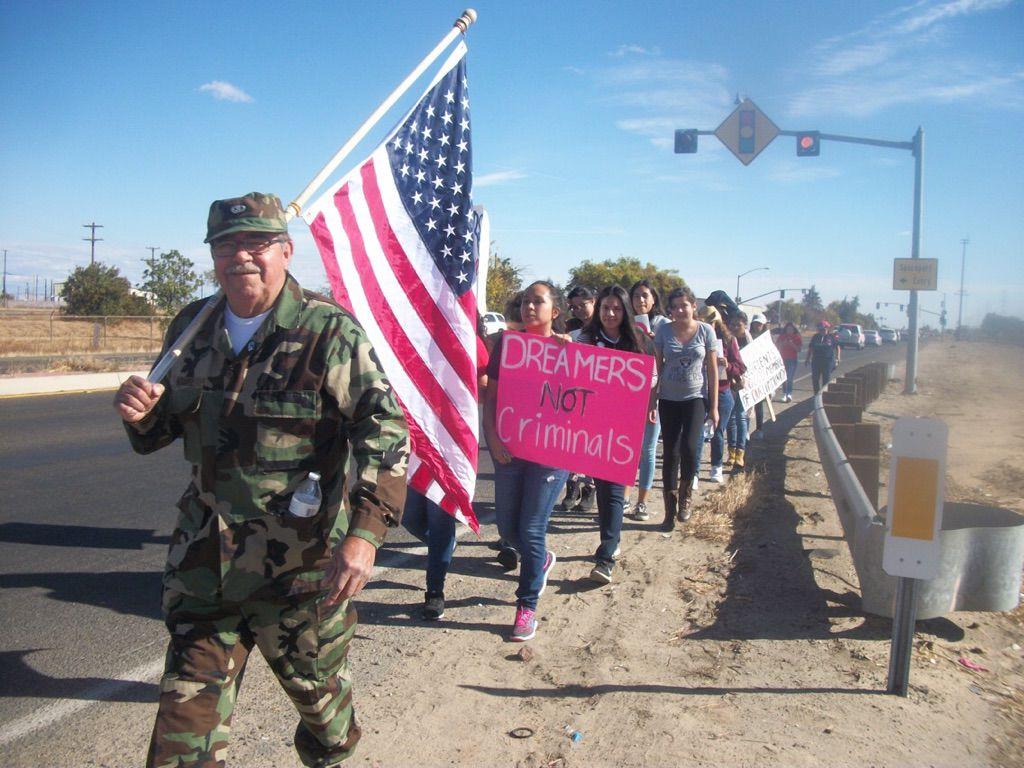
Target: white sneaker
x=716, y=475
x=693, y=485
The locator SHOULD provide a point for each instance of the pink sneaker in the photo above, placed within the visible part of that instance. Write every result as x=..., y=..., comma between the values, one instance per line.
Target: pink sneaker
x=549, y=563
x=525, y=627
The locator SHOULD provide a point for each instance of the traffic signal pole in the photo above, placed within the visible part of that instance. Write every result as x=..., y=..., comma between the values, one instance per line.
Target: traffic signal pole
x=747, y=131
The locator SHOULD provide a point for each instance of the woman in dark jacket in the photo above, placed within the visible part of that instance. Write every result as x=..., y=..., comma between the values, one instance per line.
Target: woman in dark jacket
x=612, y=326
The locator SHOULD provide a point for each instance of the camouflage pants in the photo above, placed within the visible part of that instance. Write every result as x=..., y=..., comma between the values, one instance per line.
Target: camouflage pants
x=306, y=646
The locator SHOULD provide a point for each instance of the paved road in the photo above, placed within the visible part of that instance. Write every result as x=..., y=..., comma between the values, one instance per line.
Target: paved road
x=84, y=525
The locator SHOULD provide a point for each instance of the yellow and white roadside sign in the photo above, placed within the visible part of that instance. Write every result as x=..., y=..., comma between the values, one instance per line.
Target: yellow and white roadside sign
x=915, y=274
x=912, y=546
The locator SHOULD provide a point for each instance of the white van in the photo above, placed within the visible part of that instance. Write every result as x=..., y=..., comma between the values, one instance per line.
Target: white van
x=851, y=335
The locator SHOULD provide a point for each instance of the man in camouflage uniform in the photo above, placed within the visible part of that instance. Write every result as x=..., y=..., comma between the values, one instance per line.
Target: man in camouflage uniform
x=256, y=416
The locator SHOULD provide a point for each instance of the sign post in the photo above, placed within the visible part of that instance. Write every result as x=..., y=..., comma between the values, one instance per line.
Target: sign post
x=912, y=547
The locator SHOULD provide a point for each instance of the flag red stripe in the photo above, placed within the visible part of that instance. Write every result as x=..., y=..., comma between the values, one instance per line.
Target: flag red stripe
x=419, y=298
x=420, y=375
x=325, y=244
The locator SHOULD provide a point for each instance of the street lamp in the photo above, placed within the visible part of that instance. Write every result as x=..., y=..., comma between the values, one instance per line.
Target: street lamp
x=755, y=269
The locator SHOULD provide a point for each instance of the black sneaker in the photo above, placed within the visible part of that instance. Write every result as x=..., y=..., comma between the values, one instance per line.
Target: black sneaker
x=508, y=558
x=588, y=499
x=573, y=494
x=601, y=573
x=433, y=606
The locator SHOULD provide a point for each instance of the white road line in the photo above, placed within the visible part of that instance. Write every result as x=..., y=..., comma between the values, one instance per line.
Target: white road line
x=60, y=710
x=144, y=673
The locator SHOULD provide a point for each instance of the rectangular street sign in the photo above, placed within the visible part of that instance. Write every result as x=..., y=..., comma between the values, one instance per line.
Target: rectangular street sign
x=915, y=274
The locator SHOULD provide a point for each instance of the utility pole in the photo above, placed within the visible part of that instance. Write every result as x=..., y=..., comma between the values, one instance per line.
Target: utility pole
x=152, y=258
x=960, y=314
x=93, y=239
x=5, y=277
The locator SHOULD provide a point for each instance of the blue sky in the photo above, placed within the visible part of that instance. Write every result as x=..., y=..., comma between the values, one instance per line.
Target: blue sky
x=137, y=115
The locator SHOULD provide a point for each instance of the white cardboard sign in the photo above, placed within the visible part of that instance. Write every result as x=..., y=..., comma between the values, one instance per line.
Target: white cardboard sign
x=765, y=371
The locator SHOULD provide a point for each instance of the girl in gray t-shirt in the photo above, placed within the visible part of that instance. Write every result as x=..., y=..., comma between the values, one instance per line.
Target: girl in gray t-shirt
x=687, y=393
x=683, y=373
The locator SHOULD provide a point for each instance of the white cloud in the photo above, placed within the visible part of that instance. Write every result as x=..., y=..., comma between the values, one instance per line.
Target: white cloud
x=660, y=95
x=906, y=56
x=933, y=14
x=634, y=50
x=496, y=178
x=795, y=172
x=224, y=91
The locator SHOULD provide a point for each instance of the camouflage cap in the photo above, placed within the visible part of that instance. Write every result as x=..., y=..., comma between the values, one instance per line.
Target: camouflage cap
x=255, y=212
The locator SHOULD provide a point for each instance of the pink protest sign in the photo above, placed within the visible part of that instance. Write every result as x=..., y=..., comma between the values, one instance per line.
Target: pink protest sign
x=573, y=406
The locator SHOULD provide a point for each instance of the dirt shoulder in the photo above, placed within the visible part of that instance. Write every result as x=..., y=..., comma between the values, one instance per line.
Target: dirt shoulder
x=737, y=641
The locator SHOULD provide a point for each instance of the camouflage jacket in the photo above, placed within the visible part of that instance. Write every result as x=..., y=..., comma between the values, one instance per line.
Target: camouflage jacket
x=305, y=387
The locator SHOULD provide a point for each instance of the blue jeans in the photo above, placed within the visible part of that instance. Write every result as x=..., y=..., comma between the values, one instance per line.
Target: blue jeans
x=739, y=425
x=435, y=528
x=787, y=388
x=524, y=495
x=610, y=500
x=718, y=439
x=647, y=451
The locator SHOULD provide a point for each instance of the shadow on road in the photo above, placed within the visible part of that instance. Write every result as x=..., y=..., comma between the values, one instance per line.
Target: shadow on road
x=19, y=679
x=586, y=691
x=50, y=535
x=135, y=593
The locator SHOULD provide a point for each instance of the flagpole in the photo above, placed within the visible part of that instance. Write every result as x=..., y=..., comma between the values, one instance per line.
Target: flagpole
x=459, y=28
x=295, y=207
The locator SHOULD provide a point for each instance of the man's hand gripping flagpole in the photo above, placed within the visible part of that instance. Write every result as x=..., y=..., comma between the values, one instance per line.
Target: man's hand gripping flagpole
x=295, y=207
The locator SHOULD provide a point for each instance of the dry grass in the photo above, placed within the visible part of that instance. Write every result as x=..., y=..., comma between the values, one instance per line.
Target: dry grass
x=47, y=332
x=715, y=516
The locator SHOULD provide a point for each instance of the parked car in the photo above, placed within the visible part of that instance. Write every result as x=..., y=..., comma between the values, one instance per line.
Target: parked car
x=493, y=322
x=850, y=335
x=889, y=336
x=872, y=337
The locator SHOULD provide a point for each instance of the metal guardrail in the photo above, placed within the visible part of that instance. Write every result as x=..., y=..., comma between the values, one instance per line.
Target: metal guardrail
x=982, y=547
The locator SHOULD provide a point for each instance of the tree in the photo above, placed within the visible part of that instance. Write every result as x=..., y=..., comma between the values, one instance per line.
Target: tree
x=624, y=271
x=846, y=309
x=172, y=280
x=813, y=309
x=100, y=290
x=504, y=280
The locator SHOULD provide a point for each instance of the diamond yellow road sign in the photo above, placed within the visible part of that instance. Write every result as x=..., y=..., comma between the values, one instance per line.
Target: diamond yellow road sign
x=746, y=131
x=915, y=274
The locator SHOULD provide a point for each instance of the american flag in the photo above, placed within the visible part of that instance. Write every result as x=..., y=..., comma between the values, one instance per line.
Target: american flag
x=398, y=238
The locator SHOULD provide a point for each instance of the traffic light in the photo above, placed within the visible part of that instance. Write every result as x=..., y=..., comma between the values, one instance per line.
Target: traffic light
x=901, y=307
x=747, y=120
x=686, y=142
x=782, y=294
x=808, y=144
x=878, y=305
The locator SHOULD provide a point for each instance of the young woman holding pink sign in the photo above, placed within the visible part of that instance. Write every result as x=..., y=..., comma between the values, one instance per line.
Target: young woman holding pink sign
x=613, y=327
x=524, y=491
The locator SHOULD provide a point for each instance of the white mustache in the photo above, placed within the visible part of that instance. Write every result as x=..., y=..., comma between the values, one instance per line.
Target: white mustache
x=243, y=269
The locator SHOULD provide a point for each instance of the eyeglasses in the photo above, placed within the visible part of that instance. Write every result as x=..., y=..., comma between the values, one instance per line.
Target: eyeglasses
x=254, y=246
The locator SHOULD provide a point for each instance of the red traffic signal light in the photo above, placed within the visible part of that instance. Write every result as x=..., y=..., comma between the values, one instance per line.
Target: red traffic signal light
x=808, y=144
